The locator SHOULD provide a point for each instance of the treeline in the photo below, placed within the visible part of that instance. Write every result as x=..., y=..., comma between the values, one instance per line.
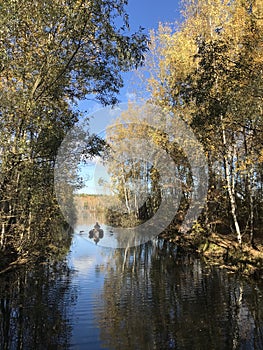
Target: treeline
x=53, y=54
x=208, y=72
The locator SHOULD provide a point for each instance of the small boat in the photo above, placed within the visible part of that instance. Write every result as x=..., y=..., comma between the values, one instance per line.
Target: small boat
x=96, y=233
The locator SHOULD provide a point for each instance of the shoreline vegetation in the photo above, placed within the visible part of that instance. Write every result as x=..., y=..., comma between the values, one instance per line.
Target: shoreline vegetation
x=51, y=253
x=222, y=251
x=217, y=249
x=214, y=248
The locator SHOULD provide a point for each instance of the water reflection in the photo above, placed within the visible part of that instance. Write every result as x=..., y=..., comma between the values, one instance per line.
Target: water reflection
x=146, y=297
x=156, y=300
x=34, y=308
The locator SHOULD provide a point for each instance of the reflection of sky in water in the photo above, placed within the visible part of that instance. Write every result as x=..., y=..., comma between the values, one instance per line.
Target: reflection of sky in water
x=84, y=256
x=88, y=262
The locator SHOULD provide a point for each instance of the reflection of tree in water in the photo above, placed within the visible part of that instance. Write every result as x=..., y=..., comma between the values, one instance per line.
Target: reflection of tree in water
x=154, y=301
x=34, y=309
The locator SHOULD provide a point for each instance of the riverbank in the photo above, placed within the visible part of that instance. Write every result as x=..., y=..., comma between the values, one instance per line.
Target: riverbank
x=10, y=260
x=215, y=249
x=222, y=251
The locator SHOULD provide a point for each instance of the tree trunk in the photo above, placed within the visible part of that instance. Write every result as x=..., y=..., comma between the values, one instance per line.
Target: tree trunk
x=251, y=204
x=249, y=188
x=230, y=183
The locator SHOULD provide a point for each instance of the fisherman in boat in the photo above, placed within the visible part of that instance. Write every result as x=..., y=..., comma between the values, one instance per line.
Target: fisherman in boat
x=97, y=226
x=96, y=233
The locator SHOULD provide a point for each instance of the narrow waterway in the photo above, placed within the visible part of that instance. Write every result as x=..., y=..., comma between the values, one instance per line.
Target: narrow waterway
x=140, y=298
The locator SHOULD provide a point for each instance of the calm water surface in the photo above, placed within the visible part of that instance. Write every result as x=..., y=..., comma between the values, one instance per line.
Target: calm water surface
x=142, y=298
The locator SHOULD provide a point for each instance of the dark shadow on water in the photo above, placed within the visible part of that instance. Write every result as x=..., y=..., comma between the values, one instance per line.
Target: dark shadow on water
x=35, y=308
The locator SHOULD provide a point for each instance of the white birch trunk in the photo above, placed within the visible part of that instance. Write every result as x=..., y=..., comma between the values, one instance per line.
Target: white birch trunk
x=230, y=183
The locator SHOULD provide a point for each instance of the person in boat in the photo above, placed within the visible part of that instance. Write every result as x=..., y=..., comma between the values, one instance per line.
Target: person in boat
x=97, y=226
x=96, y=233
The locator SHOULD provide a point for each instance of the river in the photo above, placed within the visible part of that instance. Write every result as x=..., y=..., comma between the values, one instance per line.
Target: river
x=148, y=297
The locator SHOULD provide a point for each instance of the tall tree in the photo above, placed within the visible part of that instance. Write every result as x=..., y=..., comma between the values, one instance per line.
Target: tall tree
x=53, y=54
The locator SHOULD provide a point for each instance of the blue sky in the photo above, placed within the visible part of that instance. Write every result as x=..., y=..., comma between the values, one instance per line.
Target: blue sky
x=148, y=13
